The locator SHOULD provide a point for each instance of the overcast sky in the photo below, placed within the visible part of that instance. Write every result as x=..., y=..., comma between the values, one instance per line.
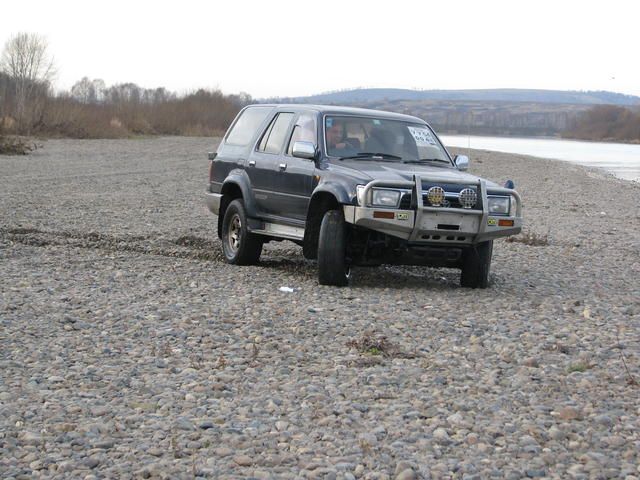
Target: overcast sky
x=291, y=48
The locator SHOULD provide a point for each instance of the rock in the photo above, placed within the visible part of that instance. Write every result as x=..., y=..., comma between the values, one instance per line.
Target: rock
x=441, y=436
x=100, y=411
x=223, y=451
x=605, y=420
x=92, y=462
x=555, y=433
x=455, y=419
x=156, y=452
x=281, y=425
x=533, y=473
x=472, y=438
x=407, y=474
x=402, y=466
x=30, y=438
x=243, y=460
x=104, y=444
x=569, y=414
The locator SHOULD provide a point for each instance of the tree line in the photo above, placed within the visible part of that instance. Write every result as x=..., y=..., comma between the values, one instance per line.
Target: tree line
x=91, y=109
x=607, y=123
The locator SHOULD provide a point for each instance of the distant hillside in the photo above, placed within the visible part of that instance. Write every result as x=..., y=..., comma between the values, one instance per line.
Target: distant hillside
x=367, y=95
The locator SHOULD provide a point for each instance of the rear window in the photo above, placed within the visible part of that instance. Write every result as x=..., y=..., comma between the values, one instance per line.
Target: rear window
x=274, y=137
x=245, y=127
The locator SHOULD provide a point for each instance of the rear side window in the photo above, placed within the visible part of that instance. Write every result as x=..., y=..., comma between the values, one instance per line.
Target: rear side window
x=304, y=131
x=275, y=135
x=244, y=129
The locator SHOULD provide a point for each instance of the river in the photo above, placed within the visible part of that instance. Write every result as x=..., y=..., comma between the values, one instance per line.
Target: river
x=622, y=160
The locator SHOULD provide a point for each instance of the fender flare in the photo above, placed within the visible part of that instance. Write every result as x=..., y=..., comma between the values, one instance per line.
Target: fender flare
x=338, y=190
x=317, y=206
x=240, y=179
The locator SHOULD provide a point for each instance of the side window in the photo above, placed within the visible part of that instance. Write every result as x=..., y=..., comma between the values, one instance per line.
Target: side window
x=244, y=129
x=265, y=136
x=304, y=131
x=274, y=137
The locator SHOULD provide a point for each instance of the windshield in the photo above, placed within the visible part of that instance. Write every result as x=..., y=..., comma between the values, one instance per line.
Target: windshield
x=391, y=140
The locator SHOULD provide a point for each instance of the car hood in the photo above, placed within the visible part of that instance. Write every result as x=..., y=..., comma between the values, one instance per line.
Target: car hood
x=388, y=171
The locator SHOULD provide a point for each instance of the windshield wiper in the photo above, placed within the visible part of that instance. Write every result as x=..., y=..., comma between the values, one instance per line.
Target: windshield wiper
x=383, y=156
x=427, y=160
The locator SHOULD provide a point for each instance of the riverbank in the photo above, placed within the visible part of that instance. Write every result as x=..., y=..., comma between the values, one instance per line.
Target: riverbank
x=129, y=348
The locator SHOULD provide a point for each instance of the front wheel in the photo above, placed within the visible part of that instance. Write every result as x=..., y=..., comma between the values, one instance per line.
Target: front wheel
x=333, y=268
x=240, y=246
x=476, y=263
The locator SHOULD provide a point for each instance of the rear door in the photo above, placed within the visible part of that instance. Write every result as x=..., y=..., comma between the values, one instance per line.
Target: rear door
x=263, y=166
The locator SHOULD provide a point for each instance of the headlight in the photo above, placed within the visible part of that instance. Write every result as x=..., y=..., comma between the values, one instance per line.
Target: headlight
x=499, y=205
x=385, y=198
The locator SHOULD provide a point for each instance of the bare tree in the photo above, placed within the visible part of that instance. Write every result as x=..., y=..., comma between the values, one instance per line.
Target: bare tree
x=26, y=60
x=83, y=90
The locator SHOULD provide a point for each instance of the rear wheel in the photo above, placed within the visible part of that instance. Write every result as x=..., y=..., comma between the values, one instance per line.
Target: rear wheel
x=240, y=246
x=476, y=263
x=333, y=268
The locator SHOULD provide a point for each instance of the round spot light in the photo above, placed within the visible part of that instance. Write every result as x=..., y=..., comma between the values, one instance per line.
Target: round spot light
x=468, y=198
x=435, y=195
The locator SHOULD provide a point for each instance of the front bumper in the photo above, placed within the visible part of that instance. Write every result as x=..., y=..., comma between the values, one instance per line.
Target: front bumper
x=436, y=225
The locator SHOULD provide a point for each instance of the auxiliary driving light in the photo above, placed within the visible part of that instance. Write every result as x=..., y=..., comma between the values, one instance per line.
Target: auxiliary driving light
x=468, y=198
x=435, y=195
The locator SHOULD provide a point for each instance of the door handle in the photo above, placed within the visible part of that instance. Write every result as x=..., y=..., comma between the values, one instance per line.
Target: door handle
x=252, y=163
x=283, y=167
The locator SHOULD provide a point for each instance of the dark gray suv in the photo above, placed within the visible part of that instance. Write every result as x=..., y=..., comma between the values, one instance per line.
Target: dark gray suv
x=354, y=187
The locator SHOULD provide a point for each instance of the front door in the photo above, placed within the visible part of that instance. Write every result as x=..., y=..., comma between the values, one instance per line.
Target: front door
x=295, y=182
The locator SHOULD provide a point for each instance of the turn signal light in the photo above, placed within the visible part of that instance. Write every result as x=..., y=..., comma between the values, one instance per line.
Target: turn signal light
x=387, y=215
x=505, y=223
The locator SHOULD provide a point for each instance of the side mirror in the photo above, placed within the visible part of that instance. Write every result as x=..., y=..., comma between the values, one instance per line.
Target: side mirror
x=304, y=150
x=212, y=155
x=462, y=162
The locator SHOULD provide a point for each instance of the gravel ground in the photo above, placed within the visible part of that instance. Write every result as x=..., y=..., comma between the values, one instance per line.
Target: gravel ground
x=129, y=349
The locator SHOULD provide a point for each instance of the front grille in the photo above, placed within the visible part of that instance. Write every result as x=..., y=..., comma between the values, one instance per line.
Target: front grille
x=452, y=192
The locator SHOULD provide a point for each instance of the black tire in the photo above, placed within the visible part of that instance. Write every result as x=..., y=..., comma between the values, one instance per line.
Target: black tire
x=476, y=263
x=240, y=246
x=333, y=268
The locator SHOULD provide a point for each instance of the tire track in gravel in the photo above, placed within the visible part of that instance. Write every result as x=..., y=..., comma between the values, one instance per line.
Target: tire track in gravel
x=185, y=246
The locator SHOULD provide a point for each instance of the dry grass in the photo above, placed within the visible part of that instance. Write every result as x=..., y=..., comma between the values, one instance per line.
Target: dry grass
x=374, y=344
x=12, y=145
x=122, y=111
